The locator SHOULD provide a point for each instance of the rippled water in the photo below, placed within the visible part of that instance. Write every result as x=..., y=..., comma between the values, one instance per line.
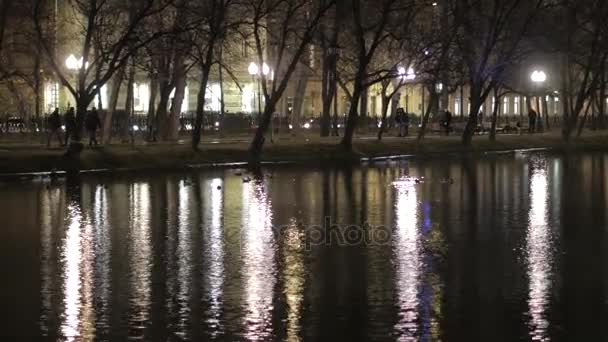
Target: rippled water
x=504, y=248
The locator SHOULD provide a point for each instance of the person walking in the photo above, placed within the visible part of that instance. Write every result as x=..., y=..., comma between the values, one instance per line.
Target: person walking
x=532, y=121
x=398, y=118
x=69, y=121
x=92, y=123
x=53, y=127
x=405, y=123
x=447, y=122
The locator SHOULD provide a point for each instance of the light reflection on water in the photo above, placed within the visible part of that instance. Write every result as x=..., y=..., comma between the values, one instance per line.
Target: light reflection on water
x=213, y=249
x=408, y=259
x=539, y=257
x=140, y=258
x=198, y=257
x=258, y=252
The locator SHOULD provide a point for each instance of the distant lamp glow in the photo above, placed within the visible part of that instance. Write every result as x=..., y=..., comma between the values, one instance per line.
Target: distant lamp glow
x=73, y=63
x=253, y=69
x=538, y=76
x=439, y=87
x=217, y=124
x=265, y=69
x=434, y=4
x=135, y=128
x=290, y=126
x=406, y=75
x=307, y=125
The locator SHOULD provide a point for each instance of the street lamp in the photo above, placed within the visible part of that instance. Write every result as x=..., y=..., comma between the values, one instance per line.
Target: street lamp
x=538, y=77
x=253, y=71
x=406, y=75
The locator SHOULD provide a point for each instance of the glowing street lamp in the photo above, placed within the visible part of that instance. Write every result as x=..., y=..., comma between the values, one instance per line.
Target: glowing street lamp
x=73, y=63
x=439, y=87
x=253, y=69
x=538, y=77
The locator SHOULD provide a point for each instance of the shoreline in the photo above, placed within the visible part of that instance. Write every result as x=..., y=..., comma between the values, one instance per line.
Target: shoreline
x=23, y=161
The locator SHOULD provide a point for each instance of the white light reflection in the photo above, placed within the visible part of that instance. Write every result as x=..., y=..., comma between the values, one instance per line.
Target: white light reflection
x=77, y=255
x=140, y=255
x=538, y=252
x=103, y=255
x=258, y=262
x=213, y=243
x=408, y=258
x=184, y=252
x=294, y=279
x=49, y=199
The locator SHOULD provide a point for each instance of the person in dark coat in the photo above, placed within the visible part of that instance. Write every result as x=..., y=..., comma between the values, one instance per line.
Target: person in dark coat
x=532, y=120
x=92, y=123
x=53, y=127
x=70, y=124
x=447, y=121
x=405, y=123
x=398, y=118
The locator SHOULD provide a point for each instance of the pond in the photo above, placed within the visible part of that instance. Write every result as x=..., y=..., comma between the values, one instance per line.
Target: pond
x=506, y=247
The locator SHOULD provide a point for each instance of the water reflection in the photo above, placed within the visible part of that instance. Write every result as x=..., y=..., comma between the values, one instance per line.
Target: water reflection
x=140, y=258
x=258, y=252
x=408, y=259
x=184, y=256
x=538, y=253
x=293, y=278
x=213, y=249
x=77, y=256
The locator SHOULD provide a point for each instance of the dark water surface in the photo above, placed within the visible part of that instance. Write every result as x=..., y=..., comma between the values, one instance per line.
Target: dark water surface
x=515, y=249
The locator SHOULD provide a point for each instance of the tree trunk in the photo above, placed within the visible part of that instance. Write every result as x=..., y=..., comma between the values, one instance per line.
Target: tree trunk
x=495, y=115
x=162, y=124
x=476, y=101
x=255, y=149
x=222, y=103
x=106, y=131
x=200, y=106
x=176, y=105
x=427, y=114
x=126, y=122
x=298, y=101
x=385, y=104
x=351, y=121
x=151, y=136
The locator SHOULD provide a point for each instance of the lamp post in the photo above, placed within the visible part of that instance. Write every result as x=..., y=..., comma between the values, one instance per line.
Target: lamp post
x=254, y=70
x=538, y=77
x=406, y=75
x=438, y=91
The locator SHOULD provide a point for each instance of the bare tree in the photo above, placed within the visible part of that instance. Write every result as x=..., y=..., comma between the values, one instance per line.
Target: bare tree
x=583, y=46
x=282, y=30
x=490, y=35
x=215, y=22
x=370, y=27
x=121, y=24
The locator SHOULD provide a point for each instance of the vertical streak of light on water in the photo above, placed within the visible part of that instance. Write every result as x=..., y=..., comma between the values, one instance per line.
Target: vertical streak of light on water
x=539, y=260
x=140, y=255
x=259, y=269
x=408, y=259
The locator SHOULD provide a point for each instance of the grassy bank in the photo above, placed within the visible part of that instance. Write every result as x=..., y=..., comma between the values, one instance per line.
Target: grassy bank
x=17, y=158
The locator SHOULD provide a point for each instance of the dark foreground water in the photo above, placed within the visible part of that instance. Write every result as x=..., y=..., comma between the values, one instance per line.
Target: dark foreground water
x=515, y=249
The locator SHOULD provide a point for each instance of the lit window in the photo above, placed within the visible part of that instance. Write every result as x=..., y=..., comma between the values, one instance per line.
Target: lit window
x=516, y=105
x=493, y=103
x=247, y=99
x=141, y=97
x=185, y=104
x=51, y=96
x=505, y=107
x=457, y=106
x=213, y=97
